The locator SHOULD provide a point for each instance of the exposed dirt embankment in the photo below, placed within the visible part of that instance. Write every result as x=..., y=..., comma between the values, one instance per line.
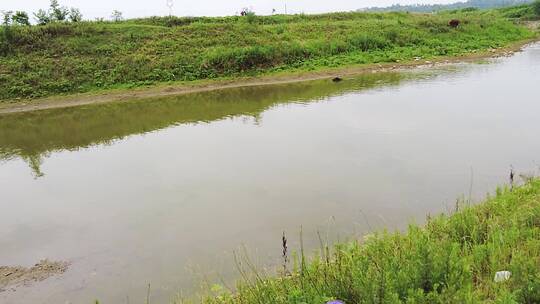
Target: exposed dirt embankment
x=12, y=277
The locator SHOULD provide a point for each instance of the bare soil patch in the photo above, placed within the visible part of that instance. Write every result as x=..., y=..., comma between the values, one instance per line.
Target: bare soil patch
x=12, y=277
x=533, y=25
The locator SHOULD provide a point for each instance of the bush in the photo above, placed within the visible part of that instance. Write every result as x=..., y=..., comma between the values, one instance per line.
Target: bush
x=536, y=7
x=21, y=18
x=6, y=34
x=241, y=59
x=5, y=40
x=367, y=43
x=117, y=16
x=75, y=15
x=251, y=17
x=57, y=13
x=42, y=17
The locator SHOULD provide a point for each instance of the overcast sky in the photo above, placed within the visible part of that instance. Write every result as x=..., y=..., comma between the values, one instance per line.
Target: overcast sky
x=140, y=8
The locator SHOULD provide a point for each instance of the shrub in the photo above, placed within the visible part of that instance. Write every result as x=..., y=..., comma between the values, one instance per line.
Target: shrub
x=5, y=43
x=42, y=17
x=117, y=16
x=536, y=7
x=251, y=17
x=75, y=15
x=367, y=43
x=20, y=18
x=57, y=12
x=6, y=17
x=470, y=9
x=6, y=35
x=241, y=59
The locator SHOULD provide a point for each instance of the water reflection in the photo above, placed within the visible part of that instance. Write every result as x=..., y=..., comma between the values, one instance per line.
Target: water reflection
x=33, y=136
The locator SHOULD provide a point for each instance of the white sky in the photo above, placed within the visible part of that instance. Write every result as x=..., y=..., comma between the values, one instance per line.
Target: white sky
x=140, y=8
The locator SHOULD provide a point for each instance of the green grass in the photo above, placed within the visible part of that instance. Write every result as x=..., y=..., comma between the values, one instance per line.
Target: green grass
x=452, y=259
x=61, y=58
x=524, y=12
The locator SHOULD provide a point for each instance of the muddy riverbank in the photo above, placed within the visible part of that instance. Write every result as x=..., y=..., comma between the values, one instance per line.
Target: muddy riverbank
x=12, y=277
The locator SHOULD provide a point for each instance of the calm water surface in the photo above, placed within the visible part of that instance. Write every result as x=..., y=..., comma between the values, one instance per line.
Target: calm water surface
x=162, y=191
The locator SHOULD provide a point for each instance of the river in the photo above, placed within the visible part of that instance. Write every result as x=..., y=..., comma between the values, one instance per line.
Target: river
x=163, y=191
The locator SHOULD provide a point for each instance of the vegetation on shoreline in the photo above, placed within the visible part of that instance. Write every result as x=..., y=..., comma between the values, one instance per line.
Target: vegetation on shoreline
x=452, y=259
x=64, y=58
x=522, y=12
x=429, y=8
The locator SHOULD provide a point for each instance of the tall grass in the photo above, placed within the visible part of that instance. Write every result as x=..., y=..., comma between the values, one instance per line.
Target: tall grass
x=62, y=58
x=452, y=259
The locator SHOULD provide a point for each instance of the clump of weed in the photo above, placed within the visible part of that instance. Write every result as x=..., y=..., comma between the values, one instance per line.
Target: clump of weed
x=452, y=259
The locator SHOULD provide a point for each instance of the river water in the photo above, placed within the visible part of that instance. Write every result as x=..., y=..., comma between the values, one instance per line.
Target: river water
x=162, y=191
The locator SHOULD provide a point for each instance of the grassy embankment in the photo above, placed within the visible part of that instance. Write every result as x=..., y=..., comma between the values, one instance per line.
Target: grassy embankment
x=525, y=12
x=55, y=59
x=452, y=259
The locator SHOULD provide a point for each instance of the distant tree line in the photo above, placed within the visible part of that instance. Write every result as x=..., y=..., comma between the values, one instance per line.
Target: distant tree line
x=17, y=18
x=428, y=8
x=54, y=13
x=57, y=13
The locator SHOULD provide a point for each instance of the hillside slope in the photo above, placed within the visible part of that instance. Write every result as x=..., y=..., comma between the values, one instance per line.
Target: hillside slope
x=428, y=8
x=60, y=58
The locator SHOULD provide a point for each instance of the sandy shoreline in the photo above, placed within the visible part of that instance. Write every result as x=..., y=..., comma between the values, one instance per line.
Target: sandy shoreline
x=120, y=95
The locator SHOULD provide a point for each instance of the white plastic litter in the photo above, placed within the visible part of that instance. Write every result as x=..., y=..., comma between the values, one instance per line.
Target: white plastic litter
x=502, y=276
